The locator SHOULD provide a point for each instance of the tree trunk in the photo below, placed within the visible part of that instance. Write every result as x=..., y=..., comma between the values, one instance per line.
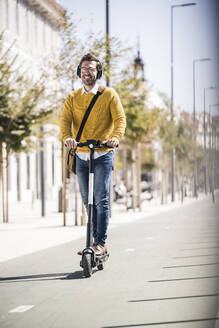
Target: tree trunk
x=162, y=188
x=42, y=175
x=138, y=174
x=37, y=175
x=182, y=185
x=134, y=182
x=125, y=166
x=2, y=182
x=125, y=173
x=178, y=184
x=64, y=185
x=76, y=200
x=83, y=216
x=7, y=176
x=164, y=185
x=28, y=171
x=167, y=185
x=18, y=178
x=212, y=164
x=53, y=164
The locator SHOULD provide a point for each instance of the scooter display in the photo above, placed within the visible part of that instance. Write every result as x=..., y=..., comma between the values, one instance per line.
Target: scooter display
x=89, y=259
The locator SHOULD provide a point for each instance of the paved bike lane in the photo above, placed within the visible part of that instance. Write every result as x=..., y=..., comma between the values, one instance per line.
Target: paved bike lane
x=163, y=272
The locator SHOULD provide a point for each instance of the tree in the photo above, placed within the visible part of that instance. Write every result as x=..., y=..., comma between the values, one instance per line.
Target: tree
x=64, y=69
x=168, y=138
x=21, y=108
x=141, y=122
x=184, y=153
x=178, y=134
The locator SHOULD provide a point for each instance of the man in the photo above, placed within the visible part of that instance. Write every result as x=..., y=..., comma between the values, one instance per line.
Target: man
x=106, y=123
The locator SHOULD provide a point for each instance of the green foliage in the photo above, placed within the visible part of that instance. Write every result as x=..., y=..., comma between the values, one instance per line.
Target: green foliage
x=133, y=98
x=184, y=142
x=141, y=120
x=111, y=60
x=20, y=102
x=149, y=163
x=72, y=50
x=179, y=134
x=167, y=132
x=65, y=65
x=63, y=69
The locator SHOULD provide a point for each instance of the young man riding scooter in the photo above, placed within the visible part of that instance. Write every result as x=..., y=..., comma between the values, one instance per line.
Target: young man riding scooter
x=106, y=122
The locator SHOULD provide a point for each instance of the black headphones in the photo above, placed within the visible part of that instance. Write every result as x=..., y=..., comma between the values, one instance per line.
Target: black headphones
x=99, y=71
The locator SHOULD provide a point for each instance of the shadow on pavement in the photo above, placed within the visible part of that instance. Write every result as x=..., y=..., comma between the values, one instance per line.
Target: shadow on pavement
x=164, y=323
x=172, y=298
x=74, y=275
x=43, y=277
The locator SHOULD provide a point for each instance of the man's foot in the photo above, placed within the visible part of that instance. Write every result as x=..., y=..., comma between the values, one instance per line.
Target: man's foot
x=80, y=252
x=100, y=250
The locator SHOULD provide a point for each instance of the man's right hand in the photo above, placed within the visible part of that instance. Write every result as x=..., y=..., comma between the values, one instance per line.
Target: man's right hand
x=71, y=143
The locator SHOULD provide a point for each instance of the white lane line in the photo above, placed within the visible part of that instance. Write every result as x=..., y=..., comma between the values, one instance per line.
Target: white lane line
x=217, y=321
x=129, y=249
x=21, y=308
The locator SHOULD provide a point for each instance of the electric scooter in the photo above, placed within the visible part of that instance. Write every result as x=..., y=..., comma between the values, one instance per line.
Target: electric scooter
x=89, y=259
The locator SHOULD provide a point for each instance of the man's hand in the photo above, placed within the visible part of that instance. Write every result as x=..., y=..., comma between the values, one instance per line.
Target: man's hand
x=71, y=143
x=114, y=142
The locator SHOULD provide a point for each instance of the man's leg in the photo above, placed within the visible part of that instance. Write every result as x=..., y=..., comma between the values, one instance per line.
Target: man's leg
x=103, y=167
x=82, y=171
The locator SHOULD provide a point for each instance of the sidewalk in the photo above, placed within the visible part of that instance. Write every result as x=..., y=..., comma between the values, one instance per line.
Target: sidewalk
x=28, y=232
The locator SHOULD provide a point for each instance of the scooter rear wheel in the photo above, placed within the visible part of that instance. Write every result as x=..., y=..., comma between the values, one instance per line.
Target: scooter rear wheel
x=100, y=266
x=87, y=265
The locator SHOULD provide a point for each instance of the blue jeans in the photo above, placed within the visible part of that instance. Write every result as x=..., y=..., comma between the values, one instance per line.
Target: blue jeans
x=103, y=167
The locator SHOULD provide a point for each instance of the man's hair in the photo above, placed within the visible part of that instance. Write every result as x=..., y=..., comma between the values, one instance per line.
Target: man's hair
x=90, y=57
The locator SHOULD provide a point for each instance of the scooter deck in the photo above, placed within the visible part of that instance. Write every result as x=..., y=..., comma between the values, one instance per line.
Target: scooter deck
x=100, y=258
x=97, y=256
x=100, y=261
x=97, y=261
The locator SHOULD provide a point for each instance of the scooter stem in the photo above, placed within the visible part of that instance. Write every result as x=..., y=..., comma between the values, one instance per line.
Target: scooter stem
x=90, y=197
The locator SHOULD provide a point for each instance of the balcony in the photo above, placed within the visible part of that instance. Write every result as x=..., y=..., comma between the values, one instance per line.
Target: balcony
x=49, y=9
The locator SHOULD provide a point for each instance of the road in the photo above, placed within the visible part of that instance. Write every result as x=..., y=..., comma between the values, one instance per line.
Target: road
x=163, y=271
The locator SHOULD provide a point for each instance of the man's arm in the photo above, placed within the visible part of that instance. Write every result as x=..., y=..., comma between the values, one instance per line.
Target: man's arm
x=119, y=121
x=66, y=123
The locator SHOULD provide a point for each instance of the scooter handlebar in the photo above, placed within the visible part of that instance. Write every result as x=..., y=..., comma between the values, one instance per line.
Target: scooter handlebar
x=97, y=144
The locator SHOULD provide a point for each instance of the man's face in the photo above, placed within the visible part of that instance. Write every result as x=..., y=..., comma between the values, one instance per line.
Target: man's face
x=89, y=72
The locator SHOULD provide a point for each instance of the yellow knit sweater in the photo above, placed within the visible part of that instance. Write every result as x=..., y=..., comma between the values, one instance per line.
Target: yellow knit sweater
x=106, y=119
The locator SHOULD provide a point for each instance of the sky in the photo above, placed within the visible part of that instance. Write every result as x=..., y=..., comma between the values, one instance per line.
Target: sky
x=195, y=36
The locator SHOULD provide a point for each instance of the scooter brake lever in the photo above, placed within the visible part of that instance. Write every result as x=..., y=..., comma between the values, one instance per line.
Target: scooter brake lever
x=105, y=145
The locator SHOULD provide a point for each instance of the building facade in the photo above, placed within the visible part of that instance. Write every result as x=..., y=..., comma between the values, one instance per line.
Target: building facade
x=32, y=28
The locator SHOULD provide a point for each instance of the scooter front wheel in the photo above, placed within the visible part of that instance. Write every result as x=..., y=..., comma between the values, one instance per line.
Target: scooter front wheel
x=87, y=264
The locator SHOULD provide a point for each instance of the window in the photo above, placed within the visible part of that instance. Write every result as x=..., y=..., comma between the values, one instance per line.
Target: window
x=17, y=17
x=44, y=34
x=7, y=13
x=27, y=24
x=36, y=30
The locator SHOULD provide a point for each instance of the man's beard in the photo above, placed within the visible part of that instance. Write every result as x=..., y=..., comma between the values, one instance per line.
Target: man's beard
x=89, y=80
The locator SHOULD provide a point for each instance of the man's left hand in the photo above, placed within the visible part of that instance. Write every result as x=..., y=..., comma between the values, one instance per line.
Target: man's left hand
x=112, y=142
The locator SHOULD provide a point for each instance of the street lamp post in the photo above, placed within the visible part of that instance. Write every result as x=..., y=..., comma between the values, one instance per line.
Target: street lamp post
x=107, y=44
x=171, y=103
x=204, y=128
x=194, y=123
x=108, y=79
x=212, y=149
